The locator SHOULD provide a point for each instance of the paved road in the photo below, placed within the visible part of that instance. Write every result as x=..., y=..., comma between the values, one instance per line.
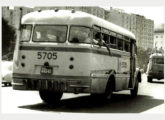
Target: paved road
x=149, y=100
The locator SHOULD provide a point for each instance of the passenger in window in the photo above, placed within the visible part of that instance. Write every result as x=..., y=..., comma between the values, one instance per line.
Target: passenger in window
x=74, y=37
x=84, y=37
x=97, y=39
x=51, y=36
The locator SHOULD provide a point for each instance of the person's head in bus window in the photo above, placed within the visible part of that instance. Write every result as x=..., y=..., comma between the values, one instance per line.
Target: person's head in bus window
x=51, y=36
x=84, y=37
x=74, y=38
x=97, y=39
x=97, y=36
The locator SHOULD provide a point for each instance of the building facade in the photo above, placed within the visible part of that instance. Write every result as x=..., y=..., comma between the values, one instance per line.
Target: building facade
x=159, y=37
x=148, y=36
x=142, y=28
x=119, y=17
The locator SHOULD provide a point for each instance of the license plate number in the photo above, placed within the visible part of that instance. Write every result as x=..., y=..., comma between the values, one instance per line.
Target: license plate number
x=46, y=70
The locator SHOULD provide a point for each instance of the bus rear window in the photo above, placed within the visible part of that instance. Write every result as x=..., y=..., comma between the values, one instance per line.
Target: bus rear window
x=79, y=34
x=26, y=33
x=158, y=60
x=50, y=33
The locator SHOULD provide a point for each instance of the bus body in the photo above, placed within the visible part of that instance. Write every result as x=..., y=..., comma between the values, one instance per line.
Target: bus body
x=53, y=55
x=155, y=67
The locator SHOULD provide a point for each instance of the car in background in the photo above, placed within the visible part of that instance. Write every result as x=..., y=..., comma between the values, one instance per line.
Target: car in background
x=6, y=72
x=8, y=56
x=155, y=69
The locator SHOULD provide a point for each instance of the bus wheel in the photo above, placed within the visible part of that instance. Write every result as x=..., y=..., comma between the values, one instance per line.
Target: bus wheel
x=109, y=90
x=134, y=91
x=149, y=79
x=50, y=97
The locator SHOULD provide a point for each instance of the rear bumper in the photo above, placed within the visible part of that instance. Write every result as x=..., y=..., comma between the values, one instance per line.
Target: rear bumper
x=62, y=84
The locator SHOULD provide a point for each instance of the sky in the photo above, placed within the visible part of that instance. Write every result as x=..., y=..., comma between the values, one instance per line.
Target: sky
x=153, y=13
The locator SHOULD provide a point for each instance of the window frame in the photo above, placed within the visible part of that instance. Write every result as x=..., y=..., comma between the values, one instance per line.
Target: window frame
x=31, y=32
x=106, y=32
x=50, y=25
x=122, y=45
x=116, y=38
x=98, y=30
x=128, y=46
x=127, y=40
x=80, y=26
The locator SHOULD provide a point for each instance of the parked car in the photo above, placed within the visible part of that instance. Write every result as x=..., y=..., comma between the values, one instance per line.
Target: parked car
x=155, y=67
x=8, y=56
x=6, y=72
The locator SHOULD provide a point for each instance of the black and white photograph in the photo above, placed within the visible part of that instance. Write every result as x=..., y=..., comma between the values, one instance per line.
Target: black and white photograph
x=82, y=59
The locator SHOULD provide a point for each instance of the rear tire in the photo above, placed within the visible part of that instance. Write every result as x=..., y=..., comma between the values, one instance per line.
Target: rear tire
x=109, y=90
x=134, y=91
x=107, y=95
x=149, y=79
x=50, y=97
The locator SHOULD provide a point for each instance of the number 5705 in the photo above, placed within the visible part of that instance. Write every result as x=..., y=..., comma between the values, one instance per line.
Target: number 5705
x=47, y=55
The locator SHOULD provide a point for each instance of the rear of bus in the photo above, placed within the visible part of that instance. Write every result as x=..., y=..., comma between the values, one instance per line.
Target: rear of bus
x=56, y=53
x=156, y=68
x=48, y=59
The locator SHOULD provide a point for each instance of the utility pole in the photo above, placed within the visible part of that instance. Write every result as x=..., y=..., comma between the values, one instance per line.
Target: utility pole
x=18, y=31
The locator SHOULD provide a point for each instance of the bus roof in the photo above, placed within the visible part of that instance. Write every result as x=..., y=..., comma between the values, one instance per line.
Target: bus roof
x=156, y=55
x=67, y=17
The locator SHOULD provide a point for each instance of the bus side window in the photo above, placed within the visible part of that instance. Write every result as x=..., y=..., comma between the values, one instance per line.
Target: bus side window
x=105, y=38
x=112, y=42
x=126, y=46
x=96, y=37
x=119, y=44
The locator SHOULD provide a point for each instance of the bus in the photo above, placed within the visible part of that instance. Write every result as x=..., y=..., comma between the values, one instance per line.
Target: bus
x=155, y=69
x=68, y=51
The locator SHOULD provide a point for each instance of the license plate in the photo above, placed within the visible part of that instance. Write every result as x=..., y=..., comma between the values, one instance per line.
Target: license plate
x=46, y=70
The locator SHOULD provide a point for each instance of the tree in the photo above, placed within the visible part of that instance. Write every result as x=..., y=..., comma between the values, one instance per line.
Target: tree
x=8, y=35
x=143, y=58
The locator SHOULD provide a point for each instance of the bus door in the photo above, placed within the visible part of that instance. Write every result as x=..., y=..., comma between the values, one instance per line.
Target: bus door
x=132, y=64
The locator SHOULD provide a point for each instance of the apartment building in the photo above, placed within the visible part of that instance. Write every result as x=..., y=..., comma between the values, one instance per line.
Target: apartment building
x=159, y=37
x=142, y=28
x=119, y=17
